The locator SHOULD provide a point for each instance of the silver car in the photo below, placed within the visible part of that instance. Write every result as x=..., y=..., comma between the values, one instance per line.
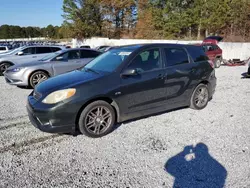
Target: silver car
x=25, y=54
x=32, y=73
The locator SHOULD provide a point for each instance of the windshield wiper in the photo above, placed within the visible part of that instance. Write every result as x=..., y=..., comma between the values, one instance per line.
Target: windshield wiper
x=91, y=70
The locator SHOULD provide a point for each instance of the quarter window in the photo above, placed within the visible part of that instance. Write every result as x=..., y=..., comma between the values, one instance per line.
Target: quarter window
x=146, y=61
x=175, y=56
x=55, y=49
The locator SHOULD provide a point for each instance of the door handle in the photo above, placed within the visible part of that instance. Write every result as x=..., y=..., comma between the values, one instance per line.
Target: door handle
x=161, y=76
x=34, y=56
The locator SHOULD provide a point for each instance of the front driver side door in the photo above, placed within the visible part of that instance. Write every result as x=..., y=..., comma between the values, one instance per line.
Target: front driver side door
x=69, y=61
x=145, y=92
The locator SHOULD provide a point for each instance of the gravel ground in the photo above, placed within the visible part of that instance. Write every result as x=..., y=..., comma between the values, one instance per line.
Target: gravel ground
x=136, y=153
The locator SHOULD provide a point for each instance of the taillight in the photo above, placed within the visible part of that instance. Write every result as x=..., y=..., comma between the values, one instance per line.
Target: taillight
x=211, y=63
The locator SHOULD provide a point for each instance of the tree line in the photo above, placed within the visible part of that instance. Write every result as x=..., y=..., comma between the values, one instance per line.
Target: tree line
x=145, y=19
x=158, y=19
x=12, y=31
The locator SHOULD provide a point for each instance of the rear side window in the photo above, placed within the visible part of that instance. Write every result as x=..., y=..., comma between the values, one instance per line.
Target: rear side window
x=147, y=60
x=197, y=53
x=89, y=54
x=55, y=49
x=176, y=56
x=2, y=48
x=43, y=50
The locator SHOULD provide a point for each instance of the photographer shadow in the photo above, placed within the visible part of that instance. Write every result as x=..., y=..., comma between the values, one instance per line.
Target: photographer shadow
x=195, y=167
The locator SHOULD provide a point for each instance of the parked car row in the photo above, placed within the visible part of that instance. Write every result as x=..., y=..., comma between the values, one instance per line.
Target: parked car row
x=36, y=71
x=16, y=44
x=24, y=55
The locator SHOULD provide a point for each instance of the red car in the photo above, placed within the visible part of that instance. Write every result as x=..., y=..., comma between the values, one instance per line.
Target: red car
x=213, y=51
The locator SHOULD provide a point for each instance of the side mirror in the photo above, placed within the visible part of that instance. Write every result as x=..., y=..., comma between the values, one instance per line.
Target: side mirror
x=59, y=58
x=20, y=53
x=129, y=72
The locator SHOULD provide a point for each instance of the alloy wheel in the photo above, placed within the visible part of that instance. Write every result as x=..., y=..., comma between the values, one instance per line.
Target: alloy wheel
x=3, y=67
x=98, y=120
x=38, y=78
x=201, y=97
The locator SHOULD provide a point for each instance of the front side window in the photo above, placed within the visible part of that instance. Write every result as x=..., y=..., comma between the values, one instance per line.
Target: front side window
x=147, y=60
x=73, y=54
x=29, y=51
x=176, y=56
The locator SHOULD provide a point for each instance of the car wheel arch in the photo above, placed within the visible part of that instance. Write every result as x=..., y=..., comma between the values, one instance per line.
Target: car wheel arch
x=30, y=74
x=7, y=62
x=205, y=82
x=106, y=99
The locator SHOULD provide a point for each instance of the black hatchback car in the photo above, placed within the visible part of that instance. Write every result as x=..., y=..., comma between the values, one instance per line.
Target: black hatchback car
x=124, y=83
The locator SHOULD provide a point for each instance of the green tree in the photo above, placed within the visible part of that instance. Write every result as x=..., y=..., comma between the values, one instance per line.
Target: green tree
x=84, y=17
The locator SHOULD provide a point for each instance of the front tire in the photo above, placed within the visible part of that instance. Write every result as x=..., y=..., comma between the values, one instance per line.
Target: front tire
x=217, y=63
x=200, y=97
x=38, y=77
x=3, y=67
x=97, y=119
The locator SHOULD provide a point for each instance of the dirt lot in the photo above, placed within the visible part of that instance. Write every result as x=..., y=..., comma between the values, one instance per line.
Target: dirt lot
x=136, y=153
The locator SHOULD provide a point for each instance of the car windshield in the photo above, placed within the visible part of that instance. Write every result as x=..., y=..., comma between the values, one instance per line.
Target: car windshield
x=50, y=56
x=110, y=60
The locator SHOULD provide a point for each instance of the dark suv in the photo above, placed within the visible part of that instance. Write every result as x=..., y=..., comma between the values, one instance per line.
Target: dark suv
x=124, y=83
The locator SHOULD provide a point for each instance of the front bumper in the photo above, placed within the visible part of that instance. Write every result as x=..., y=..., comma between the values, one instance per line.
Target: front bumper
x=53, y=119
x=16, y=78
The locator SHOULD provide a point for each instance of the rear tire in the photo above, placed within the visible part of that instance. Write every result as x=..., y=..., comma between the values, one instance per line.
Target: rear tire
x=217, y=63
x=200, y=97
x=3, y=67
x=38, y=77
x=97, y=119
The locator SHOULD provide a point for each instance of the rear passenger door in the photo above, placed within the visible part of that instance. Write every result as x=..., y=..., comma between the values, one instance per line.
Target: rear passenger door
x=179, y=72
x=87, y=55
x=69, y=61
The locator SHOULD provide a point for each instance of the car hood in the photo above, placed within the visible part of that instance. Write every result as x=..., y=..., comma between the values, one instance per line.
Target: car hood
x=67, y=80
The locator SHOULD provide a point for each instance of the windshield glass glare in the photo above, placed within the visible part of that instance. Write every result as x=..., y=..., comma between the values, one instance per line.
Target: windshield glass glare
x=50, y=56
x=110, y=60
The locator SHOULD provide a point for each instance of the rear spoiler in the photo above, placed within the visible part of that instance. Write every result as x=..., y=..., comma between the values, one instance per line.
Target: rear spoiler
x=212, y=40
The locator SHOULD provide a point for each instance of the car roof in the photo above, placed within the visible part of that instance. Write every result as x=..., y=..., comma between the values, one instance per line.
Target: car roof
x=45, y=46
x=70, y=49
x=137, y=46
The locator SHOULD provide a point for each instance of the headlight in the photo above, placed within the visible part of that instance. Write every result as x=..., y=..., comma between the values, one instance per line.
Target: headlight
x=59, y=95
x=16, y=69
